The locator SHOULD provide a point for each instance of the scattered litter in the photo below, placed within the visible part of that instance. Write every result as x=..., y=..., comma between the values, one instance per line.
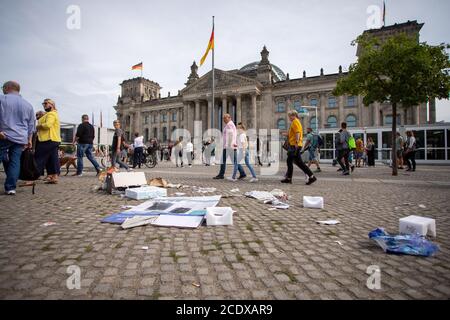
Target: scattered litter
x=403, y=244
x=219, y=216
x=280, y=194
x=329, y=222
x=272, y=209
x=417, y=225
x=137, y=221
x=205, y=190
x=178, y=221
x=180, y=193
x=195, y=284
x=144, y=248
x=277, y=204
x=422, y=206
x=260, y=195
x=68, y=208
x=158, y=182
x=396, y=208
x=339, y=243
x=176, y=186
x=146, y=192
x=234, y=190
x=47, y=224
x=313, y=202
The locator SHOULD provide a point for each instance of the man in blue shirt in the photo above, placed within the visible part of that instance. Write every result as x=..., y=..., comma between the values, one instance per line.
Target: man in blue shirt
x=17, y=124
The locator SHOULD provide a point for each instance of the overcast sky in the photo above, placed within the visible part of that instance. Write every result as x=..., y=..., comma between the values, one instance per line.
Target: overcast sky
x=81, y=69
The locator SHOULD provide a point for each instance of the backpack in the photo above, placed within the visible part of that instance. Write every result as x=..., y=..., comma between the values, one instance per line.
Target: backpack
x=351, y=143
x=320, y=142
x=28, y=167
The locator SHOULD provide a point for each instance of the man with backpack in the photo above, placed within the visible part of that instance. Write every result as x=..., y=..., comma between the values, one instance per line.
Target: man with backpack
x=85, y=139
x=342, y=149
x=17, y=124
x=118, y=144
x=313, y=144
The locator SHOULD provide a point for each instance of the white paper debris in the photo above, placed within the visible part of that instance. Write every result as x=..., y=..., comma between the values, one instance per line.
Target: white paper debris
x=144, y=248
x=422, y=206
x=338, y=242
x=329, y=222
x=234, y=190
x=179, y=193
x=47, y=224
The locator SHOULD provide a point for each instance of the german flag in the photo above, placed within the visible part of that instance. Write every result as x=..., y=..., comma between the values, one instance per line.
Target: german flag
x=138, y=66
x=210, y=46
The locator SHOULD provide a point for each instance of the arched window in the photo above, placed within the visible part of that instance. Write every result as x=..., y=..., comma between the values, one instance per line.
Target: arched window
x=281, y=106
x=351, y=120
x=312, y=123
x=332, y=122
x=281, y=124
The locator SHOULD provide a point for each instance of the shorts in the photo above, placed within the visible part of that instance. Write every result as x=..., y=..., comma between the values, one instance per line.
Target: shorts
x=358, y=155
x=312, y=155
x=399, y=153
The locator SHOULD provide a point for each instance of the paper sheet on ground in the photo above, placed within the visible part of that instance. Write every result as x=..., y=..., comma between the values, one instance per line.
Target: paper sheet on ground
x=178, y=206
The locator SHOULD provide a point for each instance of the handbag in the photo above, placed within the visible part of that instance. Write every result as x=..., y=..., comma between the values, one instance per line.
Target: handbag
x=286, y=145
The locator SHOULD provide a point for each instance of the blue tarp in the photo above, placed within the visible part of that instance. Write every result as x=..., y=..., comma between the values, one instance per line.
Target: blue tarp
x=403, y=244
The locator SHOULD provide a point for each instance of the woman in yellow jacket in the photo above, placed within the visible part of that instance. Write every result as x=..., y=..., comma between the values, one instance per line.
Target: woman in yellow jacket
x=49, y=139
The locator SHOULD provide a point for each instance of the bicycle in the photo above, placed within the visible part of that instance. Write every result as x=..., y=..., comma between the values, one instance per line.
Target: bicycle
x=150, y=160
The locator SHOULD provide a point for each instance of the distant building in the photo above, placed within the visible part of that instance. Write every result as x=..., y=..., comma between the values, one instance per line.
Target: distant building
x=259, y=94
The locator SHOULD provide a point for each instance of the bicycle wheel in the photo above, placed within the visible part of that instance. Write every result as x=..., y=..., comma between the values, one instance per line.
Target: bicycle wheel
x=150, y=162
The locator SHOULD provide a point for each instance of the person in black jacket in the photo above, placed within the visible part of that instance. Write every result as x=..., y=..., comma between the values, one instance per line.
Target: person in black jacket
x=85, y=138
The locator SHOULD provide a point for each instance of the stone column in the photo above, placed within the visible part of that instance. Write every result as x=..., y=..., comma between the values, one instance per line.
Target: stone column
x=197, y=110
x=376, y=114
x=210, y=108
x=432, y=110
x=416, y=115
x=238, y=108
x=131, y=125
x=341, y=103
x=158, y=116
x=323, y=105
x=186, y=115
x=178, y=118
x=224, y=105
x=253, y=112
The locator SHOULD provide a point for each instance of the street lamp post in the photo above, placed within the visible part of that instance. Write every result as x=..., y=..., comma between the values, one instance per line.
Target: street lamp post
x=317, y=119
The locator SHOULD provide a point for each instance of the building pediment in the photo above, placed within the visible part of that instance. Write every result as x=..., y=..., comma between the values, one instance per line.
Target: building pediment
x=223, y=81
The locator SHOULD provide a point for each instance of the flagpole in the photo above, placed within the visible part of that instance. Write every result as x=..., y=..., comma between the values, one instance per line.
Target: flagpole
x=212, y=104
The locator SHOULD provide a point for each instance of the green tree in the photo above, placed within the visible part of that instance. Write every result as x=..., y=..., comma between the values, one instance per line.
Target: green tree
x=399, y=70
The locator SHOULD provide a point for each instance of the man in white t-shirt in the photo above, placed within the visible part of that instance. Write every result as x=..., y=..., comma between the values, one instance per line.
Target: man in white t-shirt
x=138, y=147
x=189, y=152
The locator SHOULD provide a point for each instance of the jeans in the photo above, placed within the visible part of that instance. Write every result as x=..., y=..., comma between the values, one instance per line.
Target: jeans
x=10, y=153
x=343, y=154
x=138, y=156
x=115, y=158
x=47, y=157
x=295, y=157
x=231, y=153
x=81, y=151
x=243, y=154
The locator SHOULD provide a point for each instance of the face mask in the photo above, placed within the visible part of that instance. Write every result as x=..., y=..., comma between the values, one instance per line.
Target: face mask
x=48, y=109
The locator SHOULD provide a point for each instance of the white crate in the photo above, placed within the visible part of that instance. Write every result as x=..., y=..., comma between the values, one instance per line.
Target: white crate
x=417, y=225
x=144, y=193
x=219, y=216
x=313, y=202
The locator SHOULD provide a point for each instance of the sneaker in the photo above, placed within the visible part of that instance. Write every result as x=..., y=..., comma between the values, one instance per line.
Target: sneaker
x=130, y=170
x=340, y=169
x=345, y=173
x=311, y=180
x=218, y=177
x=11, y=192
x=242, y=177
x=231, y=179
x=74, y=175
x=190, y=166
x=318, y=170
x=353, y=168
x=253, y=180
x=286, y=180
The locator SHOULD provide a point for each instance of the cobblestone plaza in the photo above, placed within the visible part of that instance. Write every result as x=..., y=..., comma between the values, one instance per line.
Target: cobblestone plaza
x=282, y=254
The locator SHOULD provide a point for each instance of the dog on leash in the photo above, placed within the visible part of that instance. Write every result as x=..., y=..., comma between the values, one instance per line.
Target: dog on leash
x=69, y=160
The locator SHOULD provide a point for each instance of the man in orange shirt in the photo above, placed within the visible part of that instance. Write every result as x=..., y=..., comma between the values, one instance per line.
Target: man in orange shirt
x=294, y=152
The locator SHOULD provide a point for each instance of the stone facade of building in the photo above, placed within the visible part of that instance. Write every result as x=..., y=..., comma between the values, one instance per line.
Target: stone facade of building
x=259, y=94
